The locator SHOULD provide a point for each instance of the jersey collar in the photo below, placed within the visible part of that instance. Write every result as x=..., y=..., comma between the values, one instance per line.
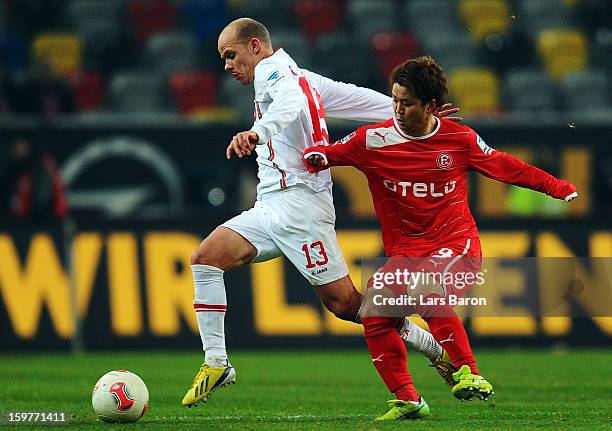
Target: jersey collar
x=417, y=138
x=274, y=52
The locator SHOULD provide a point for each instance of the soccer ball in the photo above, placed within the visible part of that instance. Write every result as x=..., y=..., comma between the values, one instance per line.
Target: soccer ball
x=120, y=396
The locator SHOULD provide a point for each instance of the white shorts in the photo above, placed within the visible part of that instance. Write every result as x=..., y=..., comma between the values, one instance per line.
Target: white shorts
x=299, y=223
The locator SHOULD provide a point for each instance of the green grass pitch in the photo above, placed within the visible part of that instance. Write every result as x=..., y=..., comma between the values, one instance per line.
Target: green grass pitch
x=305, y=390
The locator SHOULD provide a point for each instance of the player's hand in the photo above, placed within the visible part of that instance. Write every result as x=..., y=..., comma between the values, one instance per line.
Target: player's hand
x=242, y=144
x=446, y=110
x=316, y=160
x=566, y=191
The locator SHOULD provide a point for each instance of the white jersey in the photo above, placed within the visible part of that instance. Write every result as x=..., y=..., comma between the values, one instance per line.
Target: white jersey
x=290, y=109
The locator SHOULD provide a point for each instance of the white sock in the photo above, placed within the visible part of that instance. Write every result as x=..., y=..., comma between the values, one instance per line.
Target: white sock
x=420, y=339
x=210, y=305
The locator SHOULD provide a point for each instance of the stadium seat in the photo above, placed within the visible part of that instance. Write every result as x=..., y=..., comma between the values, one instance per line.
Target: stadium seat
x=317, y=17
x=335, y=57
x=193, y=91
x=13, y=52
x=3, y=19
x=205, y=18
x=593, y=14
x=484, y=17
x=534, y=16
x=475, y=90
x=136, y=91
x=102, y=26
x=88, y=91
x=30, y=17
x=275, y=14
x=172, y=51
x=563, y=51
x=106, y=48
x=416, y=9
x=507, y=51
x=451, y=50
x=529, y=90
x=392, y=49
x=151, y=16
x=83, y=12
x=426, y=17
x=586, y=90
x=602, y=47
x=368, y=18
x=60, y=51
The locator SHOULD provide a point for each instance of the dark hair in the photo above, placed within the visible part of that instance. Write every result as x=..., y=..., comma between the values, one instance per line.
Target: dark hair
x=250, y=28
x=423, y=77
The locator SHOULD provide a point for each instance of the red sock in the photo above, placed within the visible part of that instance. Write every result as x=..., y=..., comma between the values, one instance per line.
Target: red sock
x=450, y=333
x=388, y=353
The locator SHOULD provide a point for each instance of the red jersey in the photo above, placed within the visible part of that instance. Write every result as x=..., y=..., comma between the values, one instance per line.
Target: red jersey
x=419, y=184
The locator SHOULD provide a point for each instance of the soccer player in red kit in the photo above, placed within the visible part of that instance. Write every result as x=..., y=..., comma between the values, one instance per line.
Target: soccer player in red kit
x=416, y=165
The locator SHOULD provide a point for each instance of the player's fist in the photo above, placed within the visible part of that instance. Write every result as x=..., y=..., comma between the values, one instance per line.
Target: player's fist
x=242, y=144
x=315, y=161
x=566, y=191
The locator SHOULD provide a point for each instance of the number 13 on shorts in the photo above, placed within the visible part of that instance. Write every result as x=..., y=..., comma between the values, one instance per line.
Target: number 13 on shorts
x=315, y=250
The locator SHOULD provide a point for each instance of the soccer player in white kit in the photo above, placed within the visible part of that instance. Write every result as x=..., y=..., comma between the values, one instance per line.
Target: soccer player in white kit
x=294, y=214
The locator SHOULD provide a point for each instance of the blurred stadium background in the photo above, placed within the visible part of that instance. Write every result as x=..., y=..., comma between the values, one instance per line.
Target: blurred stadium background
x=114, y=118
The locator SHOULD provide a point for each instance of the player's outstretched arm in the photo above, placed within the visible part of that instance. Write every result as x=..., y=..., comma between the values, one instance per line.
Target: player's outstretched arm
x=510, y=170
x=566, y=190
x=350, y=102
x=348, y=151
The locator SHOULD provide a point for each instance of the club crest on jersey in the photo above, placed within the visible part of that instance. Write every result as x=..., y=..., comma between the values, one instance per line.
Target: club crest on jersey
x=444, y=160
x=347, y=138
x=483, y=146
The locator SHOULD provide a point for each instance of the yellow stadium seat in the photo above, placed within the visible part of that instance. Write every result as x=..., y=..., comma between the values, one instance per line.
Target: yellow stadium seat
x=60, y=51
x=475, y=91
x=563, y=51
x=484, y=17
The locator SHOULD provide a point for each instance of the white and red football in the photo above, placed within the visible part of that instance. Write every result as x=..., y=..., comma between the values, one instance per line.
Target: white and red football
x=120, y=396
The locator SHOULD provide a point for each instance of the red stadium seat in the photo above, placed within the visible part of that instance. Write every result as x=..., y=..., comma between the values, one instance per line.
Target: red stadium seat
x=193, y=91
x=318, y=16
x=151, y=16
x=88, y=91
x=392, y=49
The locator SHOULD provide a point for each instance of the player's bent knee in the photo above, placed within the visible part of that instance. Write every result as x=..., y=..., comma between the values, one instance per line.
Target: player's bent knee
x=347, y=315
x=224, y=249
x=200, y=257
x=344, y=310
x=341, y=298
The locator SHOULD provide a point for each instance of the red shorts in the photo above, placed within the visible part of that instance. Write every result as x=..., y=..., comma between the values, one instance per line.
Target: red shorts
x=450, y=269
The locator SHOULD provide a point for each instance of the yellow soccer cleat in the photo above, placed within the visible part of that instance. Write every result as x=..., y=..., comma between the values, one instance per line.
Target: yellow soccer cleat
x=405, y=410
x=206, y=381
x=445, y=368
x=470, y=385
